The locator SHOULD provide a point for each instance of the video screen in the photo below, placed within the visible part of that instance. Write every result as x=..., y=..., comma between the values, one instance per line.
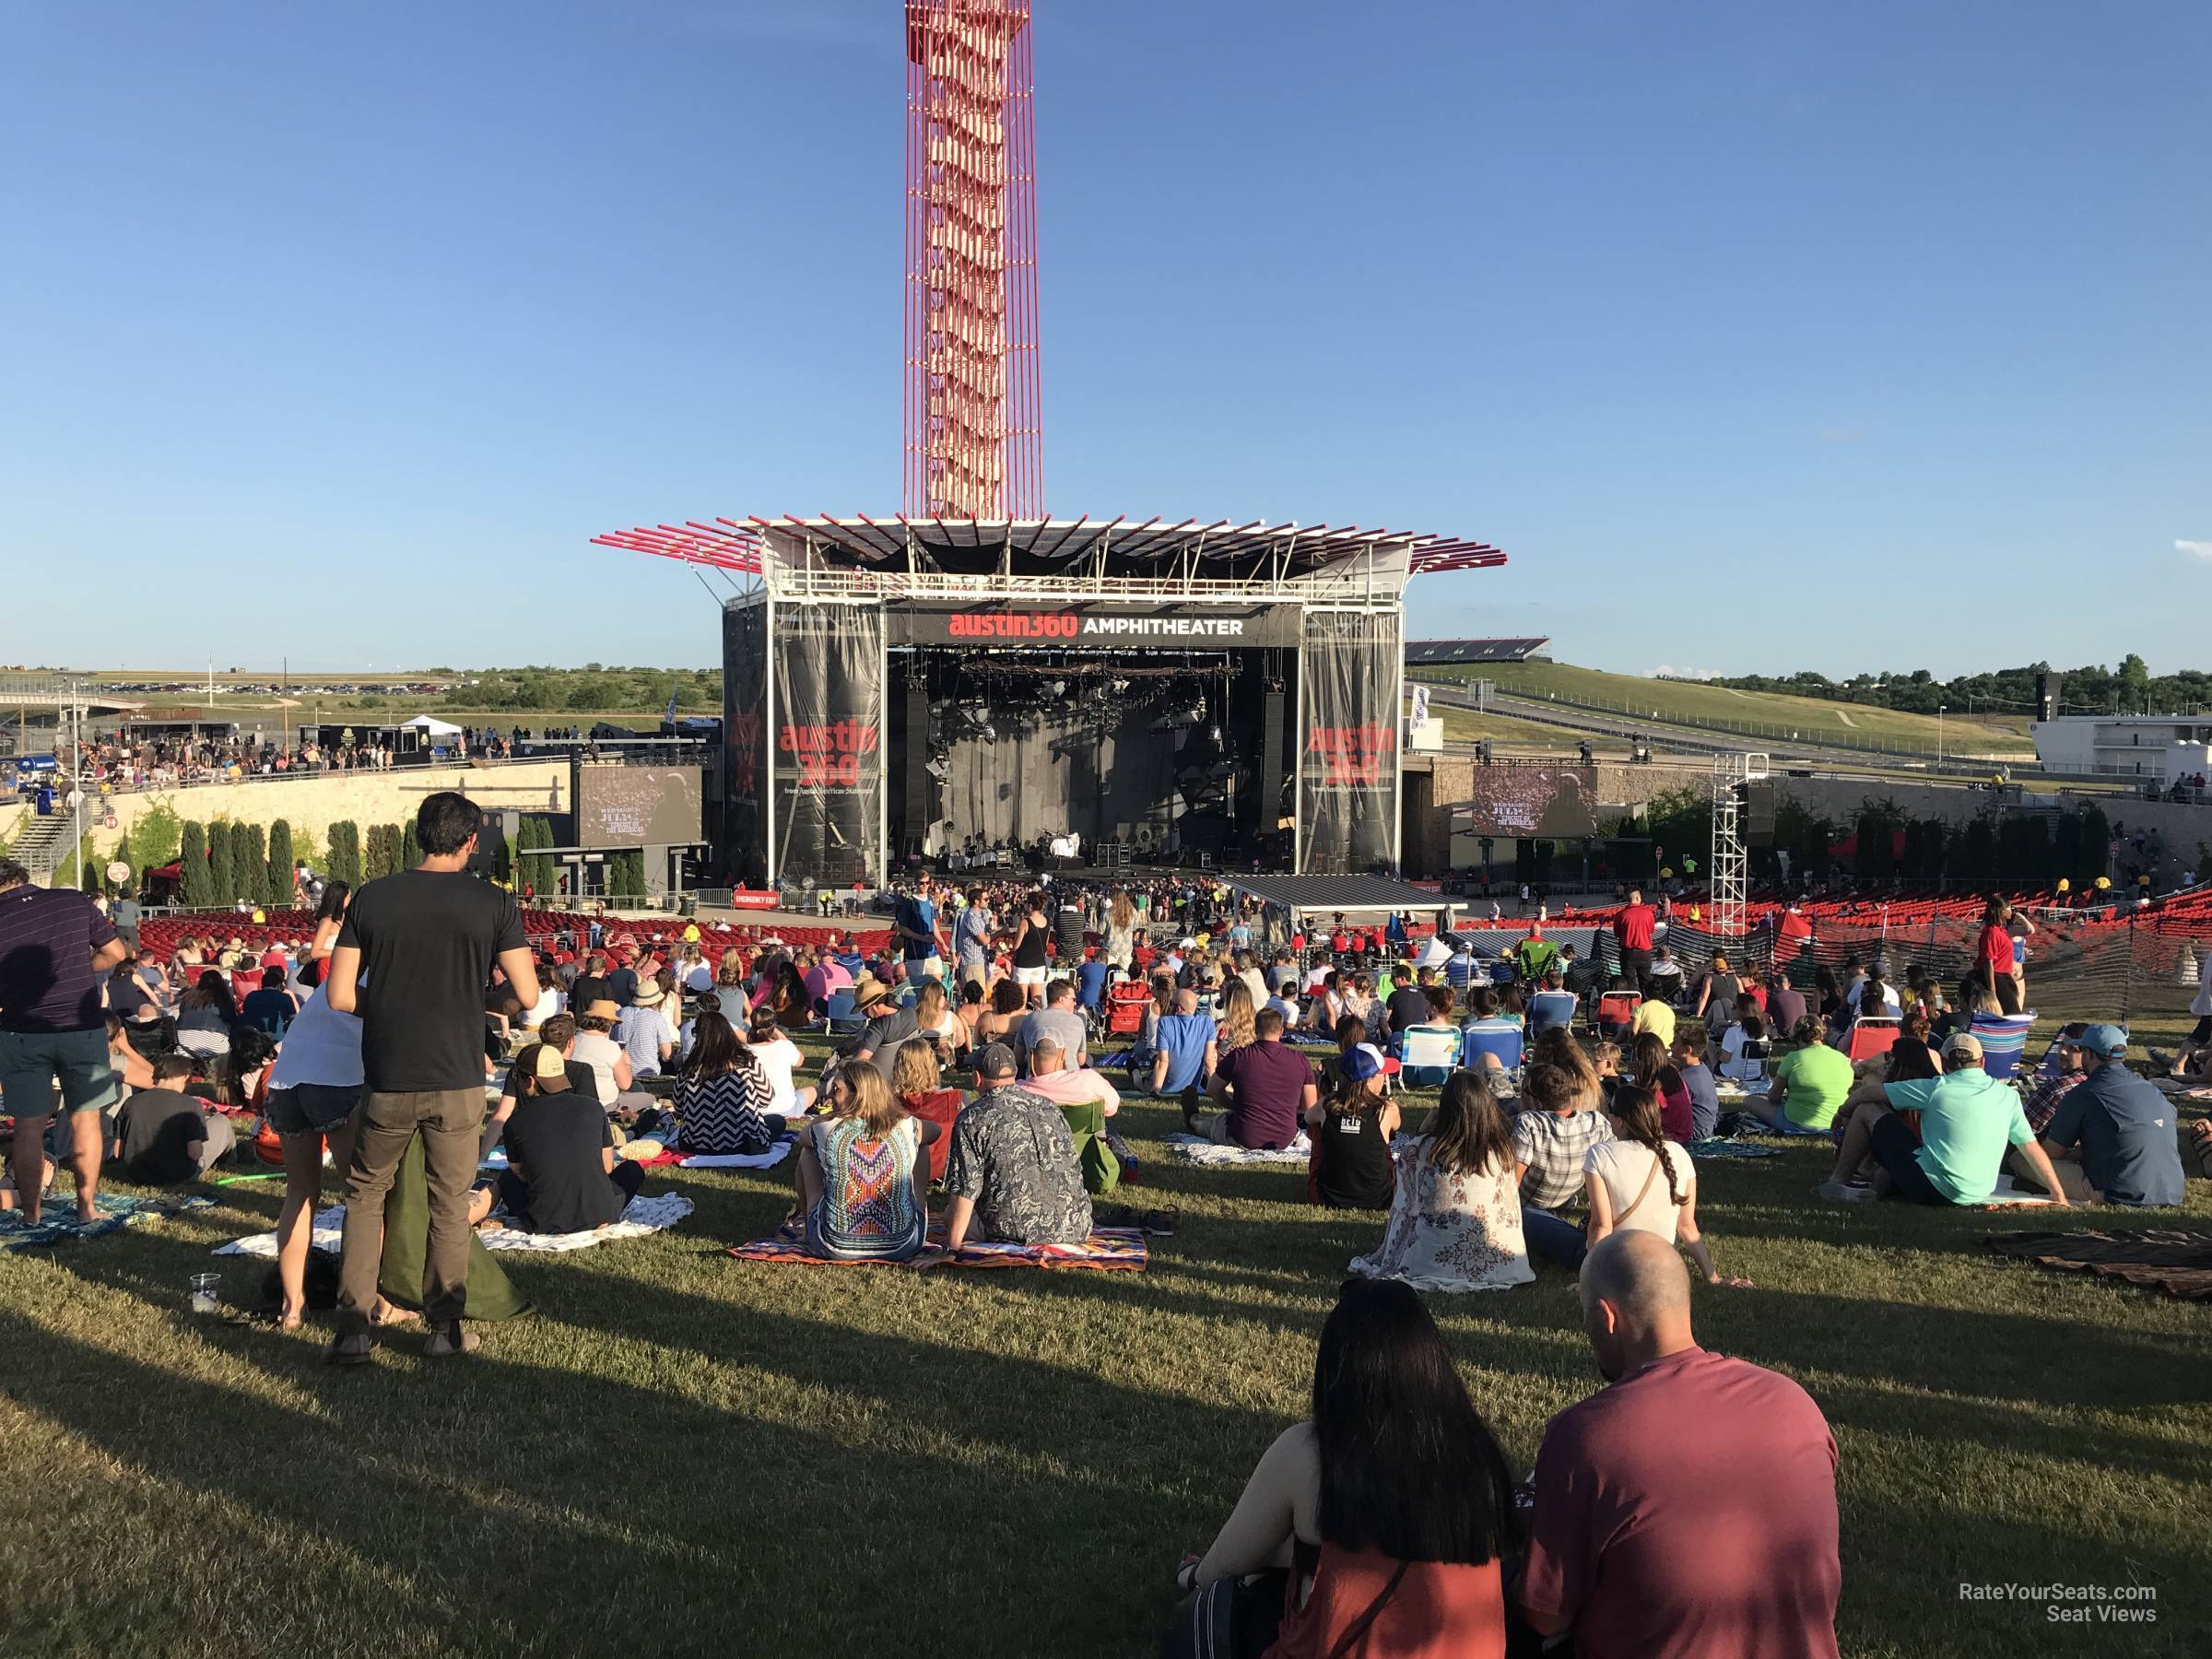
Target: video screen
x=1529, y=802
x=638, y=805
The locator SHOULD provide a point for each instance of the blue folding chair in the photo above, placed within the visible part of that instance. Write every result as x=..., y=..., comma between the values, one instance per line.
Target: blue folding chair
x=1426, y=1055
x=844, y=1016
x=1504, y=1044
x=2004, y=1039
x=1549, y=1008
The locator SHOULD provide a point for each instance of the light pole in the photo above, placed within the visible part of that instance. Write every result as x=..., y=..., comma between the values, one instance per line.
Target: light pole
x=1939, y=735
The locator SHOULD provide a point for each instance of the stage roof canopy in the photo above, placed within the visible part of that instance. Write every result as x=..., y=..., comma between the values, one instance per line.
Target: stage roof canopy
x=1216, y=549
x=1319, y=895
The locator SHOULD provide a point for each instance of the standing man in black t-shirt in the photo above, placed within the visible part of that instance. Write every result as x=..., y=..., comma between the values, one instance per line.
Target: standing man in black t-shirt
x=413, y=961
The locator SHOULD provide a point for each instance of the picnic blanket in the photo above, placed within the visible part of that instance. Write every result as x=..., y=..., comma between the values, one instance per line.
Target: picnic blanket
x=58, y=1221
x=644, y=1215
x=2174, y=1260
x=768, y=1159
x=1715, y=1146
x=2008, y=1195
x=1197, y=1149
x=1109, y=1249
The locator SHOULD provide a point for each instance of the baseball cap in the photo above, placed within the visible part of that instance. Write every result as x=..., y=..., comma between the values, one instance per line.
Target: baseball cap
x=1962, y=1042
x=1357, y=1064
x=995, y=1061
x=2106, y=1042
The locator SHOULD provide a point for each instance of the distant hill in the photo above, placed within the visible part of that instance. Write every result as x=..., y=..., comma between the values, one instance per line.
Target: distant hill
x=1713, y=706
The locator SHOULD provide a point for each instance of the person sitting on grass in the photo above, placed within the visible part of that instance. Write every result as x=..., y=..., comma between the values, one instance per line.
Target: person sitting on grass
x=1680, y=1444
x=2111, y=1139
x=1456, y=1221
x=166, y=1138
x=1185, y=1053
x=723, y=1102
x=1656, y=1014
x=1967, y=1120
x=1065, y=1082
x=1556, y=1126
x=1352, y=1134
x=2040, y=1105
x=561, y=1174
x=1657, y=1075
x=918, y=1083
x=1013, y=1174
x=1743, y=1045
x=1689, y=1051
x=1262, y=1088
x=1605, y=1060
x=863, y=1181
x=1643, y=1178
x=1810, y=1087
x=1378, y=1526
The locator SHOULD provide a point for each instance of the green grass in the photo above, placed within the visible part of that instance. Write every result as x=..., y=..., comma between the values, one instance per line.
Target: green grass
x=1692, y=701
x=680, y=1454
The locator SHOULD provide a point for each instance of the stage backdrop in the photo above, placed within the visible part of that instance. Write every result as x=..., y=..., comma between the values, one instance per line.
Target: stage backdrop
x=744, y=748
x=827, y=788
x=1054, y=768
x=1348, y=765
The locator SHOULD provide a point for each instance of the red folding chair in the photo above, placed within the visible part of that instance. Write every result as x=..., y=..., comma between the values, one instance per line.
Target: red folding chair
x=1870, y=1038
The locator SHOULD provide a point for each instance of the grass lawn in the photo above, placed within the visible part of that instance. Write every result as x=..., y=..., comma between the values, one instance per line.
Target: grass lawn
x=680, y=1454
x=1693, y=700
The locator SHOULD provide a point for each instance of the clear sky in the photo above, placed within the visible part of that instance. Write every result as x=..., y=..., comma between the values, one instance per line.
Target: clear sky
x=1762, y=337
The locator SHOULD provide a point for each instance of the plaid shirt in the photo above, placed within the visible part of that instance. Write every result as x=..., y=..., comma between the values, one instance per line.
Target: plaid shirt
x=2041, y=1103
x=1554, y=1148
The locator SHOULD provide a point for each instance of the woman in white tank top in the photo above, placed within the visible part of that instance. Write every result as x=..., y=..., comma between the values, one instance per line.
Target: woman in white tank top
x=1640, y=1181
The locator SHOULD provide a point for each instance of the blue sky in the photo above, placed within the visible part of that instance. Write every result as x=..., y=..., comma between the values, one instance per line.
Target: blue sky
x=1762, y=337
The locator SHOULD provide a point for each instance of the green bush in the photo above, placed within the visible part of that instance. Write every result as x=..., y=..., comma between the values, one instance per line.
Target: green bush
x=408, y=850
x=157, y=836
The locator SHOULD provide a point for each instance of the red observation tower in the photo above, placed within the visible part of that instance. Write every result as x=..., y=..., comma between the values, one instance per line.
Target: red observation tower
x=974, y=439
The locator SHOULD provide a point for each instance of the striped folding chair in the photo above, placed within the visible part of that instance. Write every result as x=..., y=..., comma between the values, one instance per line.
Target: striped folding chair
x=2004, y=1039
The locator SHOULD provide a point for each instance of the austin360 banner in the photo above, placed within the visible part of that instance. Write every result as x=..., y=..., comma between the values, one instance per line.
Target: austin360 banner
x=1348, y=762
x=827, y=728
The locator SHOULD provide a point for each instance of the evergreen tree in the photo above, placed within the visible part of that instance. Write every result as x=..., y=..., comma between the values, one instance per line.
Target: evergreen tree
x=222, y=865
x=250, y=858
x=198, y=881
x=344, y=858
x=376, y=855
x=406, y=850
x=280, y=864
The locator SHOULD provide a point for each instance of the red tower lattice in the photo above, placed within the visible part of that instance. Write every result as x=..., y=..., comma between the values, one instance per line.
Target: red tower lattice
x=974, y=437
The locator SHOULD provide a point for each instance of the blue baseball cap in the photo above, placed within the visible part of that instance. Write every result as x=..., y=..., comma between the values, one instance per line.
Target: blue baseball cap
x=2106, y=1042
x=1357, y=1064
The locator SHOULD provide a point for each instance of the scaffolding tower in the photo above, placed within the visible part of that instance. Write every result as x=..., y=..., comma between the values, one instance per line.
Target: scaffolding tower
x=1731, y=864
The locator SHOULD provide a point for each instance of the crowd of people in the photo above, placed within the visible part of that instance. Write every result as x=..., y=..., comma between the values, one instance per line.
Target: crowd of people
x=965, y=1099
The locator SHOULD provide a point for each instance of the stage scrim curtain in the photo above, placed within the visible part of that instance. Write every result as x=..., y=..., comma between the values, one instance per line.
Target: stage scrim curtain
x=1051, y=768
x=743, y=741
x=829, y=742
x=1347, y=763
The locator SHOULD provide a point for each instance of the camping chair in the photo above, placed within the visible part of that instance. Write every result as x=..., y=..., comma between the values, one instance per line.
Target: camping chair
x=1617, y=1013
x=1549, y=1008
x=939, y=1107
x=1087, y=1122
x=1506, y=1045
x=1427, y=1054
x=1869, y=1038
x=1125, y=1015
x=2004, y=1039
x=844, y=1018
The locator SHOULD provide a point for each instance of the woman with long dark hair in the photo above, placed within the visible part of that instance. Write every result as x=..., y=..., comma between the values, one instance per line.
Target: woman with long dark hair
x=1379, y=1525
x=1028, y=948
x=724, y=1099
x=1656, y=1074
x=1644, y=1180
x=1455, y=1217
x=204, y=1016
x=330, y=916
